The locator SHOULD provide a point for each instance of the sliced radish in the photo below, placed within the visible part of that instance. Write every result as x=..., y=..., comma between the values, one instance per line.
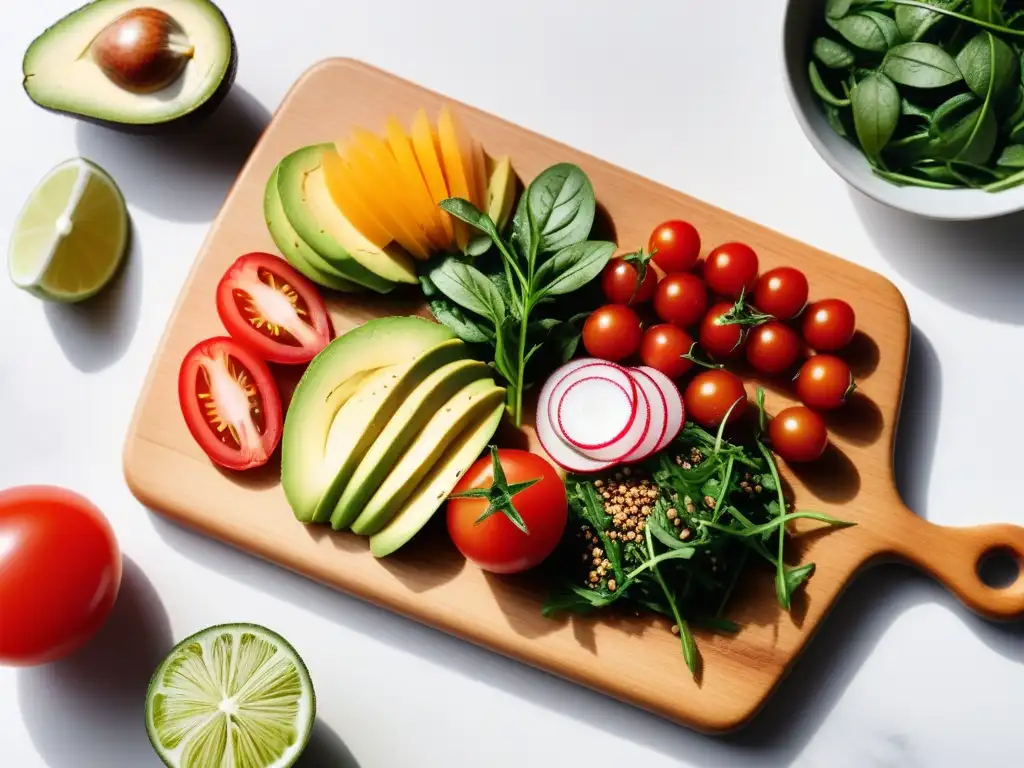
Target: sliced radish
x=659, y=417
x=594, y=369
x=582, y=406
x=595, y=412
x=674, y=403
x=556, y=448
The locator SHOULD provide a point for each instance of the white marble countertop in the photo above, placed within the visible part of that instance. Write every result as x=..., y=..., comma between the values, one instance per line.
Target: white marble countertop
x=687, y=93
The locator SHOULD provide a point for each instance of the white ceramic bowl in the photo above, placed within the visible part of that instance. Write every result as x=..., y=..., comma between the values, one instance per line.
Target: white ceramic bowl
x=803, y=18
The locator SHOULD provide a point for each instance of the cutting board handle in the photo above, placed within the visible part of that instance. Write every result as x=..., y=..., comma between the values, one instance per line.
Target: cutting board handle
x=952, y=556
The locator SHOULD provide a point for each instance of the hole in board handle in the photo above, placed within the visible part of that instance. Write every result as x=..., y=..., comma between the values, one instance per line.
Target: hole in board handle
x=999, y=567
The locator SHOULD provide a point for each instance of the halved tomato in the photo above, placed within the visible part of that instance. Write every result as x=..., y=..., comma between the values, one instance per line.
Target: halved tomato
x=231, y=403
x=267, y=306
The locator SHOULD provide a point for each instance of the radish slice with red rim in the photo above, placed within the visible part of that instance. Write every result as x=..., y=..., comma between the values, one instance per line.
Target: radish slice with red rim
x=587, y=407
x=557, y=449
x=611, y=430
x=673, y=401
x=659, y=417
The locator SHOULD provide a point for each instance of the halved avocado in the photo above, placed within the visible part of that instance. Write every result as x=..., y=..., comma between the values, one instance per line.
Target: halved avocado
x=90, y=66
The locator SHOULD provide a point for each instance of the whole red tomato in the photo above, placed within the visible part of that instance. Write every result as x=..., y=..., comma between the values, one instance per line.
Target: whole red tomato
x=612, y=332
x=663, y=347
x=829, y=325
x=711, y=394
x=60, y=572
x=675, y=245
x=721, y=341
x=798, y=434
x=498, y=543
x=731, y=269
x=681, y=299
x=773, y=347
x=824, y=382
x=781, y=292
x=622, y=284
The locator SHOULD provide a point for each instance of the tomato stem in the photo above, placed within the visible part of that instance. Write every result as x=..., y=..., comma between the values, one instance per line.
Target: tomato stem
x=499, y=494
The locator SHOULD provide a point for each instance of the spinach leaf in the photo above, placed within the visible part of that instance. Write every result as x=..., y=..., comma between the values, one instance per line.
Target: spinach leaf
x=562, y=335
x=524, y=233
x=573, y=267
x=832, y=54
x=876, y=112
x=915, y=22
x=835, y=119
x=964, y=128
x=561, y=204
x=868, y=30
x=1012, y=157
x=836, y=9
x=921, y=65
x=822, y=90
x=468, y=287
x=908, y=150
x=908, y=109
x=466, y=326
x=988, y=64
x=986, y=10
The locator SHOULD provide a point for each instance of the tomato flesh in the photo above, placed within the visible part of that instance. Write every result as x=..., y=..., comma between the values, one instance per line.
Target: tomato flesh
x=675, y=245
x=798, y=434
x=663, y=347
x=61, y=567
x=711, y=394
x=731, y=269
x=781, y=292
x=681, y=299
x=496, y=544
x=773, y=347
x=829, y=325
x=268, y=307
x=230, y=403
x=612, y=332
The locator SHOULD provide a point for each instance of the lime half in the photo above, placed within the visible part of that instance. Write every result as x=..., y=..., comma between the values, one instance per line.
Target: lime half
x=72, y=234
x=231, y=696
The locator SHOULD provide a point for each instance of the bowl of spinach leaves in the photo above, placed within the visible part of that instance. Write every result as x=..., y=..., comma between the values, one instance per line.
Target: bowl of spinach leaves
x=918, y=104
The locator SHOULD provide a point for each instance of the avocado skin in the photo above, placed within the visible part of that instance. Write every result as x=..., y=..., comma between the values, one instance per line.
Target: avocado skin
x=179, y=124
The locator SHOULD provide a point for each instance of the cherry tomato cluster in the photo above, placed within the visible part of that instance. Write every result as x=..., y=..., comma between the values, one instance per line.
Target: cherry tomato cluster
x=727, y=308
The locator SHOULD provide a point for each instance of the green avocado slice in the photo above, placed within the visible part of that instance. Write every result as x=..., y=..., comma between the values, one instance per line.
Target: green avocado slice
x=430, y=494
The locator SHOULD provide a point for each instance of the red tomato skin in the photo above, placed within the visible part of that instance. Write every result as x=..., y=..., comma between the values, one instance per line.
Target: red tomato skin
x=731, y=269
x=829, y=325
x=798, y=434
x=61, y=573
x=496, y=545
x=710, y=394
x=823, y=382
x=244, y=271
x=722, y=342
x=195, y=416
x=662, y=348
x=618, y=282
x=681, y=299
x=675, y=245
x=781, y=292
x=773, y=347
x=612, y=332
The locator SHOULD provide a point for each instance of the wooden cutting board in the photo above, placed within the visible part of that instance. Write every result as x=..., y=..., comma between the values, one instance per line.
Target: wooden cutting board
x=634, y=660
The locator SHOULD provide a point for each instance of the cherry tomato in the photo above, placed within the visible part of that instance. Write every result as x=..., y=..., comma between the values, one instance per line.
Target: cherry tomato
x=496, y=544
x=781, y=292
x=271, y=309
x=722, y=342
x=60, y=573
x=681, y=299
x=798, y=434
x=824, y=382
x=829, y=325
x=230, y=403
x=663, y=347
x=710, y=395
x=621, y=283
x=675, y=245
x=612, y=332
x=773, y=347
x=731, y=269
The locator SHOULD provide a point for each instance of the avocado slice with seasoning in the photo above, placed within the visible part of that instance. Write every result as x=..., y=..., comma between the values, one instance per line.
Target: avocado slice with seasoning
x=133, y=65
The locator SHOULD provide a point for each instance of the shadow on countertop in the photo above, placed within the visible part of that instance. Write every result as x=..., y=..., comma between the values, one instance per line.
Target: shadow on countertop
x=88, y=710
x=180, y=175
x=325, y=749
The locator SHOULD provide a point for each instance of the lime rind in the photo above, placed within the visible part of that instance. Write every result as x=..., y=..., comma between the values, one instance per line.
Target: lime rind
x=231, y=695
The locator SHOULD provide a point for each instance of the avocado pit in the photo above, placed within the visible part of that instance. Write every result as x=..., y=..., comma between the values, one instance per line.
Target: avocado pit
x=143, y=50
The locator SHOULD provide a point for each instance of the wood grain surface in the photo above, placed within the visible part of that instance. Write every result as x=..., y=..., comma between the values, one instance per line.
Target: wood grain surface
x=636, y=660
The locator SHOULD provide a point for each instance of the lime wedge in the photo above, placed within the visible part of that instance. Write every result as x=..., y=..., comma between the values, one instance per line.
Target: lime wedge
x=230, y=696
x=72, y=234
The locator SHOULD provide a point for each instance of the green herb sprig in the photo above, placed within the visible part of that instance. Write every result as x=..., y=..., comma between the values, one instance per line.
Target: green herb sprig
x=930, y=90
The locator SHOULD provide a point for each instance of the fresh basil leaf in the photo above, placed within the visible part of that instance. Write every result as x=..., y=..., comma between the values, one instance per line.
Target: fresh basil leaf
x=876, y=112
x=964, y=129
x=523, y=235
x=468, y=287
x=479, y=245
x=915, y=22
x=921, y=65
x=562, y=336
x=835, y=119
x=935, y=170
x=908, y=109
x=986, y=10
x=822, y=90
x=468, y=327
x=573, y=267
x=561, y=204
x=469, y=213
x=832, y=54
x=987, y=61
x=836, y=9
x=1012, y=156
x=908, y=150
x=869, y=31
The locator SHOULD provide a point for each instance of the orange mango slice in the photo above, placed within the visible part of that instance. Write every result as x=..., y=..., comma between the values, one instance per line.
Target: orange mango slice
x=424, y=208
x=481, y=175
x=345, y=194
x=457, y=154
x=378, y=189
x=429, y=158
